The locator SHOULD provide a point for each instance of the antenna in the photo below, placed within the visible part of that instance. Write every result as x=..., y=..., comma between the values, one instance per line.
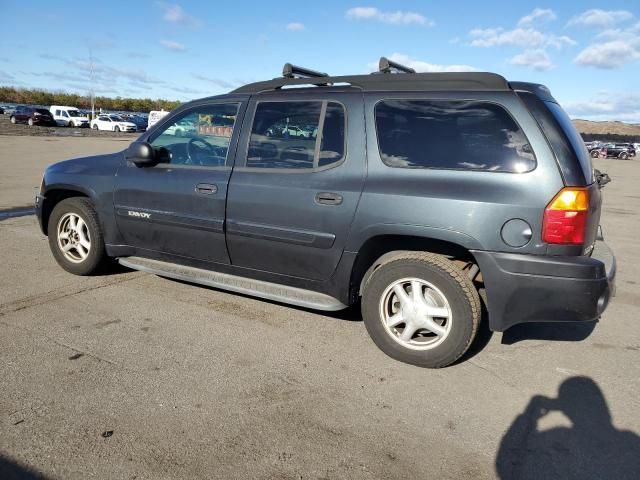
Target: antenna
x=292, y=71
x=388, y=66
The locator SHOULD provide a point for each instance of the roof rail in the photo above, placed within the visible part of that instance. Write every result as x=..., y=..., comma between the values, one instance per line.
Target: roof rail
x=293, y=71
x=388, y=66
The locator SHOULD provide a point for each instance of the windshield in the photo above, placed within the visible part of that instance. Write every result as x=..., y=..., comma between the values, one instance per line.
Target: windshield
x=74, y=113
x=116, y=118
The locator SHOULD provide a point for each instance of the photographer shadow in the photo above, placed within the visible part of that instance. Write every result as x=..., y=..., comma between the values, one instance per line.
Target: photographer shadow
x=592, y=448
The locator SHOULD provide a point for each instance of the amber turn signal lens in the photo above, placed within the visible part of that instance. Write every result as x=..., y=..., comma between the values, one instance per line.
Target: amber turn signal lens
x=572, y=199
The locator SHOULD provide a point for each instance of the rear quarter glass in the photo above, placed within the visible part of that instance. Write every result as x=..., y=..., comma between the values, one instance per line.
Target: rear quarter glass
x=571, y=155
x=574, y=138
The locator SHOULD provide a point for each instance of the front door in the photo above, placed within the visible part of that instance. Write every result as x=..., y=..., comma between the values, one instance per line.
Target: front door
x=295, y=188
x=177, y=207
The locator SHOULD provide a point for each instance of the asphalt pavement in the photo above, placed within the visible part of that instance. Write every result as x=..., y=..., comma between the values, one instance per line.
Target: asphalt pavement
x=130, y=375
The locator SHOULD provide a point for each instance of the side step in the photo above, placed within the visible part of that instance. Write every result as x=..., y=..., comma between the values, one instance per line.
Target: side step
x=225, y=281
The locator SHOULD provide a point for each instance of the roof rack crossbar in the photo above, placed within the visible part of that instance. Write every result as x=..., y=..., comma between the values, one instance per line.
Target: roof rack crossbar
x=387, y=66
x=293, y=71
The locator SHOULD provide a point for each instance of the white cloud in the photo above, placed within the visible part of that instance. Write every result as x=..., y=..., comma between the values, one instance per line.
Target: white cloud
x=519, y=37
x=600, y=18
x=421, y=66
x=535, y=59
x=607, y=106
x=397, y=17
x=608, y=55
x=173, y=46
x=538, y=15
x=175, y=14
x=295, y=26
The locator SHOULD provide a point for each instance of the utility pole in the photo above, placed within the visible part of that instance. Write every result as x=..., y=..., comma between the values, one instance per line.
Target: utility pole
x=92, y=93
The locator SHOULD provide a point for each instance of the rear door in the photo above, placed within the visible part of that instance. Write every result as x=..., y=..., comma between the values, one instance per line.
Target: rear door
x=177, y=207
x=292, y=196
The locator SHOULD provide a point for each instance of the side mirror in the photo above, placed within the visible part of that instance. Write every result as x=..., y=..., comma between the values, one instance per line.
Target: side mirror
x=141, y=154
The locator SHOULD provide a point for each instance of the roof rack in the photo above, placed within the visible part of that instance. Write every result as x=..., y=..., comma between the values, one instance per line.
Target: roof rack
x=293, y=71
x=388, y=66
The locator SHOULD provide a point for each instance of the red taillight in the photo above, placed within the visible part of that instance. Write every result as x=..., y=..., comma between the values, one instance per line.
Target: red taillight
x=565, y=218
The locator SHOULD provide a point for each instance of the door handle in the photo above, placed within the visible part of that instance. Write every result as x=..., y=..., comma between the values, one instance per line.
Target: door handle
x=206, y=188
x=328, y=198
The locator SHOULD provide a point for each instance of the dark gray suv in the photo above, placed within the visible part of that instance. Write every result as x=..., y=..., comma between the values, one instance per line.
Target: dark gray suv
x=418, y=195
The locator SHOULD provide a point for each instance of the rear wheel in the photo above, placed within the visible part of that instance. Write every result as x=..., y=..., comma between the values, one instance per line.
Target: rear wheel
x=13, y=119
x=421, y=309
x=116, y=129
x=624, y=155
x=75, y=237
x=95, y=126
x=595, y=154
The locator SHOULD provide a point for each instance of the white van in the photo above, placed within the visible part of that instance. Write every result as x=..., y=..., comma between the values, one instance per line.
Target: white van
x=68, y=116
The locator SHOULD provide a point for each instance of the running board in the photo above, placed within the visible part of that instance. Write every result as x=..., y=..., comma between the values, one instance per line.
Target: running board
x=225, y=281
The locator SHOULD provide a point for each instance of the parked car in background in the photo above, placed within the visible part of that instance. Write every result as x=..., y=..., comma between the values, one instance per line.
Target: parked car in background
x=8, y=110
x=68, y=116
x=140, y=122
x=181, y=129
x=32, y=116
x=1, y=110
x=114, y=123
x=622, y=151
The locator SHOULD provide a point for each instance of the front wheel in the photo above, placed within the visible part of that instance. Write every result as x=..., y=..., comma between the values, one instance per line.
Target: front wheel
x=30, y=122
x=13, y=120
x=595, y=154
x=419, y=308
x=75, y=237
x=70, y=124
x=116, y=129
x=95, y=126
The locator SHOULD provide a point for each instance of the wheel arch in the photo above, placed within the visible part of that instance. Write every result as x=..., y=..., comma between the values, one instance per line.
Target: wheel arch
x=379, y=249
x=54, y=195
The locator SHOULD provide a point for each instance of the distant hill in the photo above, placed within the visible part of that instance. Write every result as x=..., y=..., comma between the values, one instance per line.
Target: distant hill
x=616, y=131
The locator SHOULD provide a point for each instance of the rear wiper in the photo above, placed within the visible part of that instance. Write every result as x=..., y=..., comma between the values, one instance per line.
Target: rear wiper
x=601, y=177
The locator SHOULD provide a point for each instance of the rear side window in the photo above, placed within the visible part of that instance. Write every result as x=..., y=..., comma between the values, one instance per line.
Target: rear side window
x=451, y=134
x=576, y=141
x=297, y=135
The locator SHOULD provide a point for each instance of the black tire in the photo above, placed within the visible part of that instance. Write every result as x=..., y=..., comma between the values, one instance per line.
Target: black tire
x=624, y=155
x=116, y=129
x=30, y=122
x=95, y=126
x=96, y=256
x=13, y=119
x=594, y=154
x=70, y=124
x=456, y=287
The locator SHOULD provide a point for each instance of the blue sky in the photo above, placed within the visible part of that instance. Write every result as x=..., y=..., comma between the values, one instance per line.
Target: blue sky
x=587, y=52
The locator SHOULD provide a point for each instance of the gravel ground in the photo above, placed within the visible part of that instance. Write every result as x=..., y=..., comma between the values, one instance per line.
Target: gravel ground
x=130, y=375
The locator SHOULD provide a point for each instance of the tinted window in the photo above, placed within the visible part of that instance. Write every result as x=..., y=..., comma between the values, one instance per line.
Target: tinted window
x=574, y=138
x=470, y=135
x=296, y=135
x=198, y=137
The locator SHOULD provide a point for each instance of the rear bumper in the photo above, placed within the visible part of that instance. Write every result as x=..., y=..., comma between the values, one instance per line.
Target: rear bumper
x=531, y=288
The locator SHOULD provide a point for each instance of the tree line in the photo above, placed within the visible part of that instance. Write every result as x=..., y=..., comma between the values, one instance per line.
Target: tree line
x=46, y=98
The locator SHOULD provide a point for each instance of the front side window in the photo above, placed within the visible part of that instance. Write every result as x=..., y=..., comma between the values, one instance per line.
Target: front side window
x=198, y=137
x=451, y=134
x=297, y=135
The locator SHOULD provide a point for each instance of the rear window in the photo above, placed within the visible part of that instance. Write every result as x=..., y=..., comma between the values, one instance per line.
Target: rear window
x=463, y=135
x=577, y=143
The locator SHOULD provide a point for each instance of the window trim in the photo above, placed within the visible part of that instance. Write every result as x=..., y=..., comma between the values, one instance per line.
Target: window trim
x=162, y=127
x=475, y=170
x=324, y=103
